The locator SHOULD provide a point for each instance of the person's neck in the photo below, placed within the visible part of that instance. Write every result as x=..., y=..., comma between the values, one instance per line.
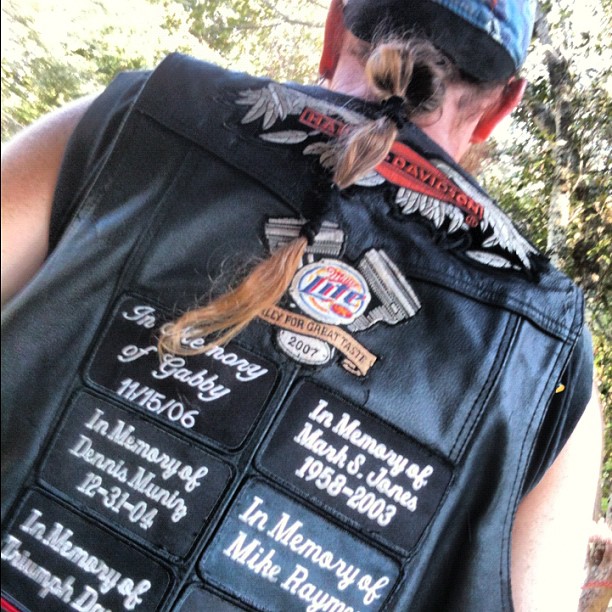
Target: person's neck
x=446, y=126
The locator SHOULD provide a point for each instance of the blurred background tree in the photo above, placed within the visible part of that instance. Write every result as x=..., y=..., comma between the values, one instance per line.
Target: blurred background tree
x=549, y=169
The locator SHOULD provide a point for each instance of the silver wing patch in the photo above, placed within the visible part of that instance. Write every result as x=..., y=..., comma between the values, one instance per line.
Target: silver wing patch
x=274, y=102
x=490, y=259
x=326, y=152
x=504, y=233
x=431, y=208
x=285, y=137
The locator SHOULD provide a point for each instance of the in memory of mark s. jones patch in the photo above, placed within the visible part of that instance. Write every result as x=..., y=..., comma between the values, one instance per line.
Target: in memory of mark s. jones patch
x=52, y=559
x=330, y=298
x=216, y=396
x=349, y=462
x=134, y=474
x=276, y=554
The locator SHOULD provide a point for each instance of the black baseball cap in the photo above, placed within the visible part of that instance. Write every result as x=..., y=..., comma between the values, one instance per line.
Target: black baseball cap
x=487, y=39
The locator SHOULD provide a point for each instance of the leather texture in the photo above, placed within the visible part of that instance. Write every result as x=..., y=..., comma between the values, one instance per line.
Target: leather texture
x=168, y=187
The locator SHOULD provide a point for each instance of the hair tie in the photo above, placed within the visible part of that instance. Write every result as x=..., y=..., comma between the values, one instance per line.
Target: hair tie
x=310, y=229
x=394, y=108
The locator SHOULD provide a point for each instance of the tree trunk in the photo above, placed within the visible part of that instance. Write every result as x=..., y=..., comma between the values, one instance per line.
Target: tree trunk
x=565, y=155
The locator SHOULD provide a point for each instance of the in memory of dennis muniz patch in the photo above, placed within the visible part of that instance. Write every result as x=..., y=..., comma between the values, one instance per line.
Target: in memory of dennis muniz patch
x=146, y=480
x=217, y=395
x=276, y=554
x=348, y=461
x=53, y=559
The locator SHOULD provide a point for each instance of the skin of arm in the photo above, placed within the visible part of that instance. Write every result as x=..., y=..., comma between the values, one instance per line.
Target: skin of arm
x=551, y=527
x=30, y=166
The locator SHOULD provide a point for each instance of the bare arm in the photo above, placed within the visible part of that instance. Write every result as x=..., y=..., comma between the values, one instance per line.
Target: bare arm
x=552, y=524
x=30, y=166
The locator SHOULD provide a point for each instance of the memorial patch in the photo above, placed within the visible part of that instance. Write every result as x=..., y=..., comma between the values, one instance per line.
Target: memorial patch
x=275, y=554
x=150, y=482
x=53, y=559
x=346, y=460
x=217, y=395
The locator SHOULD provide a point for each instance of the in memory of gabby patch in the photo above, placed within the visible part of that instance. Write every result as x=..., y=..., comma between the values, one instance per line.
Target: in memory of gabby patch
x=186, y=392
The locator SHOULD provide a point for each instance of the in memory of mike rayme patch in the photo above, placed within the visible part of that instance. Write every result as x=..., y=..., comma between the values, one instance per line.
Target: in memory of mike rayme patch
x=276, y=554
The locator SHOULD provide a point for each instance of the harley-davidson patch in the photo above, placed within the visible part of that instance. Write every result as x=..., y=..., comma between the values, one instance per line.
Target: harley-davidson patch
x=405, y=168
x=427, y=187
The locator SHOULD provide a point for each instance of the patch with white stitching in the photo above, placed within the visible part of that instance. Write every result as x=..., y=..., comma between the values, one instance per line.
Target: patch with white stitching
x=275, y=554
x=348, y=461
x=216, y=396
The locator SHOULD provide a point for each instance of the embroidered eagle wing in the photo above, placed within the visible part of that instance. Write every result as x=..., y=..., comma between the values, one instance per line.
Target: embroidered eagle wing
x=502, y=232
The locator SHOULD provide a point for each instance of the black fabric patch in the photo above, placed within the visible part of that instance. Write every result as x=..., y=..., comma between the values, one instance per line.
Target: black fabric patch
x=275, y=554
x=197, y=599
x=148, y=481
x=349, y=462
x=217, y=395
x=53, y=559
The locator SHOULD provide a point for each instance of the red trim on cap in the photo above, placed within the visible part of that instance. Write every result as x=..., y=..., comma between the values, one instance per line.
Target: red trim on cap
x=332, y=41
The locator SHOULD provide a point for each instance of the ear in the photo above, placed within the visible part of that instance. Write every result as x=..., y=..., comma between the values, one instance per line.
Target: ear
x=332, y=42
x=506, y=103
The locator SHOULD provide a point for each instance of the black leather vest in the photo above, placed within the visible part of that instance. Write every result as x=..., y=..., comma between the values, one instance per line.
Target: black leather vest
x=362, y=446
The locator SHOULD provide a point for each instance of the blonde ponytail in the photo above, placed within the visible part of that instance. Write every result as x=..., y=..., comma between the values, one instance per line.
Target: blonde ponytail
x=412, y=73
x=226, y=316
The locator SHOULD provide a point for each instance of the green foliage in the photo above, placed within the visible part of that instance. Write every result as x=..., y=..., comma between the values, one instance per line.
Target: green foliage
x=55, y=52
x=264, y=37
